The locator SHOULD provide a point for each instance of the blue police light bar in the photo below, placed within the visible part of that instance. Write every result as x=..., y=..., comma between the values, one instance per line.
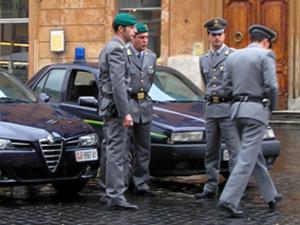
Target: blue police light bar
x=79, y=55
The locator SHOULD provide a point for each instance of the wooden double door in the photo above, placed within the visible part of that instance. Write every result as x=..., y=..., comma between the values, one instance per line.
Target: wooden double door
x=240, y=14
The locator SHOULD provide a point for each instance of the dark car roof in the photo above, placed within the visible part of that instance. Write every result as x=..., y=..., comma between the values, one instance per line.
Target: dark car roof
x=92, y=65
x=94, y=68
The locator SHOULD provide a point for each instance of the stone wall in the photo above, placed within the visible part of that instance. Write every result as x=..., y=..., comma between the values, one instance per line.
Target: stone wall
x=86, y=23
x=184, y=38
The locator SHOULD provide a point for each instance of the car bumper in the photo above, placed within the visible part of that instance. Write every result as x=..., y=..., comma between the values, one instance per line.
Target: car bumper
x=32, y=169
x=188, y=159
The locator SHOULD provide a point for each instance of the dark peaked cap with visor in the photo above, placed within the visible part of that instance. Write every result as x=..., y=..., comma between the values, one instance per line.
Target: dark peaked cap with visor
x=215, y=25
x=267, y=32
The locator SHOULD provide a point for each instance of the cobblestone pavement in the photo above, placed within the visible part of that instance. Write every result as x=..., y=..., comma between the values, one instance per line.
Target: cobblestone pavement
x=174, y=203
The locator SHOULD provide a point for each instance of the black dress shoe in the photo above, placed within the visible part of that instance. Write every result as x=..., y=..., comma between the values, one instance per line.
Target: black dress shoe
x=122, y=205
x=103, y=199
x=205, y=195
x=230, y=210
x=146, y=192
x=275, y=201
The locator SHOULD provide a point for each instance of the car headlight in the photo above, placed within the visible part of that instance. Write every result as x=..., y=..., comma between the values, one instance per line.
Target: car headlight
x=186, y=136
x=88, y=140
x=269, y=133
x=6, y=144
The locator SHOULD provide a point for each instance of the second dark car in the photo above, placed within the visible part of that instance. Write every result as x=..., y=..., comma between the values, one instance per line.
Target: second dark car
x=178, y=129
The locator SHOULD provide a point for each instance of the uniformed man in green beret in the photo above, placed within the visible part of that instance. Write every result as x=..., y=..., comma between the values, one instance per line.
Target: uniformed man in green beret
x=114, y=108
x=217, y=113
x=141, y=75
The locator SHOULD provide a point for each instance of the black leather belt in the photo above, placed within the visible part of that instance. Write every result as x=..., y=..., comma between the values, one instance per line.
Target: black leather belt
x=138, y=95
x=247, y=98
x=217, y=99
x=108, y=96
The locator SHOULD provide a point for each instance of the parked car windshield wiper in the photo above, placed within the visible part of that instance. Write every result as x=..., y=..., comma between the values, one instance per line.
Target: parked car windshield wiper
x=13, y=100
x=157, y=101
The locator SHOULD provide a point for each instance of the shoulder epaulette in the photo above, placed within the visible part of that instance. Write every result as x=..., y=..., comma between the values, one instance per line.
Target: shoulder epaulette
x=148, y=50
x=226, y=53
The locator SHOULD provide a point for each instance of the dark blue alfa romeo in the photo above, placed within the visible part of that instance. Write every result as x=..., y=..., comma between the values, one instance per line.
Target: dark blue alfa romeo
x=40, y=144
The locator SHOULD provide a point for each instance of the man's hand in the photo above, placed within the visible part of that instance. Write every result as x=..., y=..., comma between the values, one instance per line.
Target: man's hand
x=127, y=122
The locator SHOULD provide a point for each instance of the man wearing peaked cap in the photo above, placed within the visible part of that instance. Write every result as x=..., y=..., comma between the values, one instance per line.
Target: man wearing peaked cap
x=217, y=112
x=113, y=107
x=216, y=25
x=263, y=31
x=250, y=77
x=142, y=72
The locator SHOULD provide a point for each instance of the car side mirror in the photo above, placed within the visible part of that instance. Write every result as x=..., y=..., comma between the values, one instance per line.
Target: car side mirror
x=44, y=97
x=88, y=101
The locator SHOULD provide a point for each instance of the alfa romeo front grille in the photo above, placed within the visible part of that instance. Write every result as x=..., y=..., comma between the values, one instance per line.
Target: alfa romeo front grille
x=72, y=144
x=52, y=152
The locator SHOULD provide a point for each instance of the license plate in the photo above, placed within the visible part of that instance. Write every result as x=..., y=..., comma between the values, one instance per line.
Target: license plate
x=225, y=155
x=86, y=155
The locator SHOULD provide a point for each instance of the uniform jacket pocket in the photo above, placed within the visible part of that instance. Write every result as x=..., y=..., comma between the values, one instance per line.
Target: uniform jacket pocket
x=108, y=107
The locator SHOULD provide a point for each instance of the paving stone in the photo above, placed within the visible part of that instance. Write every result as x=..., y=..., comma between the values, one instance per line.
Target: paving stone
x=174, y=204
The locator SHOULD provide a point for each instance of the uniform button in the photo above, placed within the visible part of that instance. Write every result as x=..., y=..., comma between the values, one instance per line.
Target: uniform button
x=141, y=89
x=142, y=81
x=141, y=72
x=214, y=70
x=214, y=85
x=214, y=93
x=214, y=77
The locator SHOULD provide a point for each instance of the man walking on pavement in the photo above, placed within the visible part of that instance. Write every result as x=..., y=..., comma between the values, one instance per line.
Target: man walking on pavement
x=114, y=108
x=250, y=76
x=217, y=113
x=141, y=75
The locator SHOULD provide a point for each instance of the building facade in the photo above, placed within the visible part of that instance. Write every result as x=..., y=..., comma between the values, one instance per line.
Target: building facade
x=177, y=35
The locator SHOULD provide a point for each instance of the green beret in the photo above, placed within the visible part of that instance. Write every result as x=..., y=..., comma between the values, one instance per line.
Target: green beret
x=141, y=28
x=125, y=19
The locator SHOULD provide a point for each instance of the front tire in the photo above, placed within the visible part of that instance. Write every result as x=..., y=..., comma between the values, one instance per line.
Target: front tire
x=69, y=188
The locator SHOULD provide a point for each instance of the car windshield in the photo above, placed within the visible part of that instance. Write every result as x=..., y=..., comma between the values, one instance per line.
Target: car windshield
x=169, y=86
x=11, y=90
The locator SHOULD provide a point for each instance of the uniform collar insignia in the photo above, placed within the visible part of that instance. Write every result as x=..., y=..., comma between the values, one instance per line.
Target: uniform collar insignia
x=128, y=51
x=226, y=53
x=121, y=46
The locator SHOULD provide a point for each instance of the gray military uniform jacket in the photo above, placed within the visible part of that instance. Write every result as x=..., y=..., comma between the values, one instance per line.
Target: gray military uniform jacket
x=257, y=78
x=141, y=77
x=212, y=68
x=113, y=83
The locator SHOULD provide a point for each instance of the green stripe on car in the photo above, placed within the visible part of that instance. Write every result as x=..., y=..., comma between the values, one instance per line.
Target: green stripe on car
x=100, y=123
x=94, y=122
x=158, y=135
